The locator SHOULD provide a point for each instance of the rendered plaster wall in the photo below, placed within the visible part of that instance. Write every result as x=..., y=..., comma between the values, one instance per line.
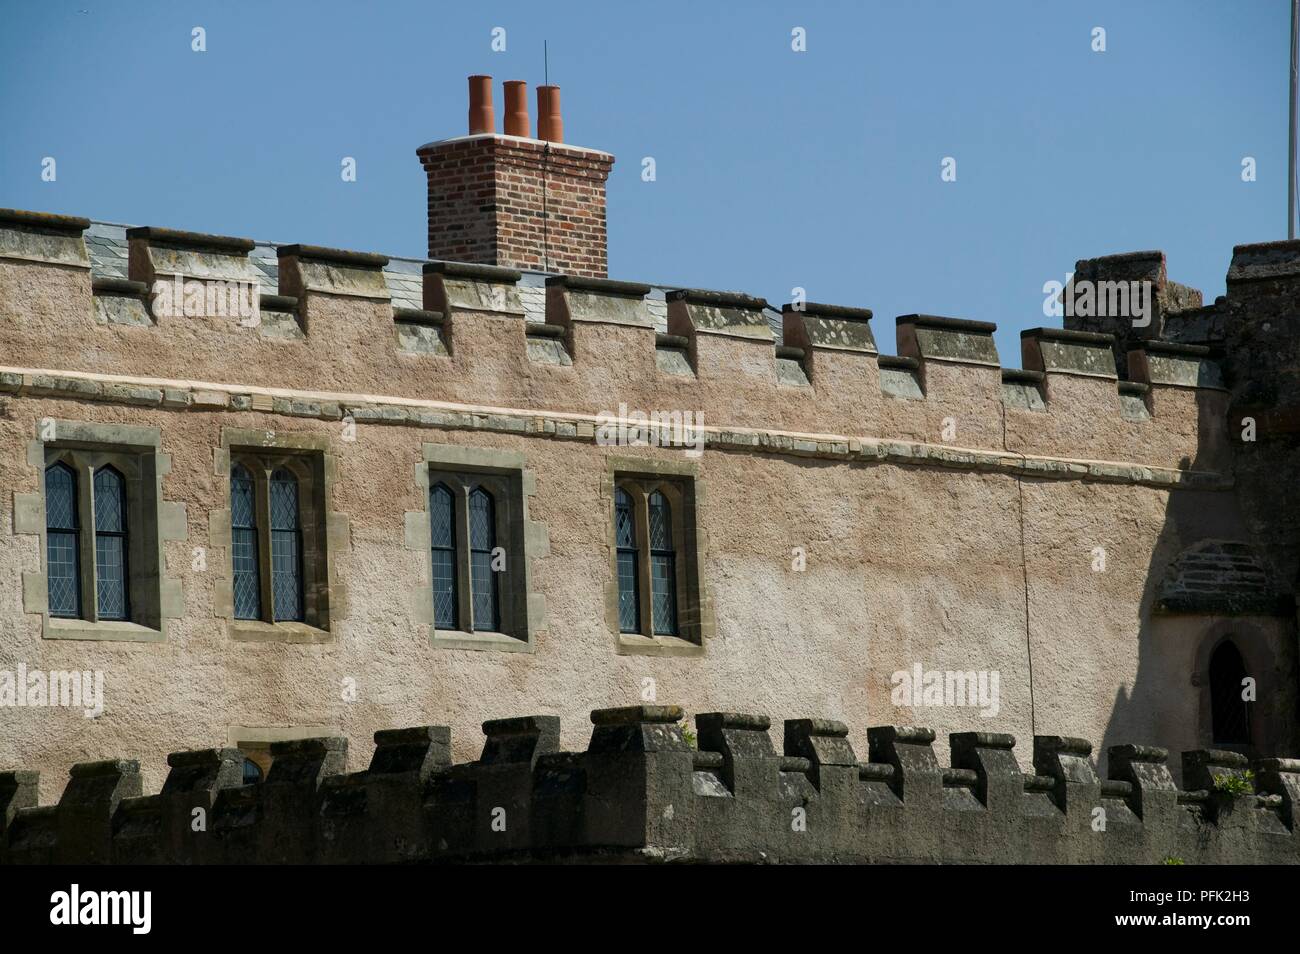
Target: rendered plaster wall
x=904, y=565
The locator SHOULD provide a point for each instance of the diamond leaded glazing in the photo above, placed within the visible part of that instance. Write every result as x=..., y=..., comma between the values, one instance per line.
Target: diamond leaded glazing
x=625, y=539
x=663, y=569
x=110, y=545
x=442, y=532
x=110, y=501
x=483, y=580
x=286, y=549
x=62, y=548
x=243, y=543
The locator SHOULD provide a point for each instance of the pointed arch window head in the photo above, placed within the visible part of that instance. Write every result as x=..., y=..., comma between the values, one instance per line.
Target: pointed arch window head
x=663, y=567
x=63, y=545
x=111, y=576
x=1229, y=712
x=286, y=547
x=442, y=533
x=243, y=543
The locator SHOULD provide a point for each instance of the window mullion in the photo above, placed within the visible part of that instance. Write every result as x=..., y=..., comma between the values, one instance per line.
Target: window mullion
x=86, y=540
x=501, y=538
x=464, y=578
x=645, y=595
x=262, y=495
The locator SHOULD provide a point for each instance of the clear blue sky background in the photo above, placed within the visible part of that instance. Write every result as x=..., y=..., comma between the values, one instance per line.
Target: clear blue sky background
x=775, y=169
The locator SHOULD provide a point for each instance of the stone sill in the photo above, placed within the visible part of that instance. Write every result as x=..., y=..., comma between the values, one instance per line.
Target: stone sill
x=458, y=639
x=106, y=630
x=634, y=644
x=259, y=631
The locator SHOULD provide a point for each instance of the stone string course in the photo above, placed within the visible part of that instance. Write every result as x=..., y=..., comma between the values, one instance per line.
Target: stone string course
x=641, y=793
x=583, y=427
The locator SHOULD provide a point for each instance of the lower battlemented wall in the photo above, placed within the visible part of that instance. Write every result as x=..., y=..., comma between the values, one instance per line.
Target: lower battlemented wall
x=641, y=793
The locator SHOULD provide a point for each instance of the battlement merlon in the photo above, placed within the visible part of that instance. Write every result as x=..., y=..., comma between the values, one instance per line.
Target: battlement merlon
x=494, y=336
x=641, y=793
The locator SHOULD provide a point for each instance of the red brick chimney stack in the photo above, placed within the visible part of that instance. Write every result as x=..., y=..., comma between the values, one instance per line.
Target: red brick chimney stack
x=513, y=200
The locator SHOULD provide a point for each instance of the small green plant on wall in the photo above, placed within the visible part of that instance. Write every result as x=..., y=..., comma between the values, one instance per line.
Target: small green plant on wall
x=1233, y=784
x=688, y=733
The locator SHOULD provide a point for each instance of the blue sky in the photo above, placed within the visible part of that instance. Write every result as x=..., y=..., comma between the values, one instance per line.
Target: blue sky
x=775, y=169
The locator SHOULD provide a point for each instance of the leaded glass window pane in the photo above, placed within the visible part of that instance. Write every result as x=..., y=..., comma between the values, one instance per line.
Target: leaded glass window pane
x=483, y=581
x=110, y=545
x=663, y=567
x=625, y=538
x=286, y=549
x=243, y=542
x=442, y=531
x=63, y=552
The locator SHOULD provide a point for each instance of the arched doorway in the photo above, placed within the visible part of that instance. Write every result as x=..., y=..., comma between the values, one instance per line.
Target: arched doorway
x=1229, y=712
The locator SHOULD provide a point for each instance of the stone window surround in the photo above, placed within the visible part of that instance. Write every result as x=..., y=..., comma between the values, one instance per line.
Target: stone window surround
x=306, y=470
x=521, y=609
x=256, y=741
x=679, y=480
x=134, y=451
x=1251, y=640
x=325, y=534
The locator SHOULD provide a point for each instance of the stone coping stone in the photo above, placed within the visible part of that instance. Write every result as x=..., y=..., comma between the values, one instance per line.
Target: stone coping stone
x=1019, y=376
x=636, y=715
x=842, y=312
x=1176, y=348
x=671, y=341
x=120, y=286
x=47, y=221
x=196, y=240
x=1068, y=744
x=418, y=316
x=735, y=720
x=603, y=286
x=482, y=273
x=1124, y=257
x=1132, y=752
x=964, y=325
x=721, y=299
x=1134, y=387
x=415, y=735
x=1071, y=335
x=898, y=362
x=278, y=302
x=1265, y=260
x=536, y=329
x=106, y=768
x=337, y=256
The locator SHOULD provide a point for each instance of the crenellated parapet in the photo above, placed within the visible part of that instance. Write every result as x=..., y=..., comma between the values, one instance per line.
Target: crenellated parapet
x=642, y=793
x=332, y=322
